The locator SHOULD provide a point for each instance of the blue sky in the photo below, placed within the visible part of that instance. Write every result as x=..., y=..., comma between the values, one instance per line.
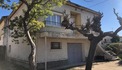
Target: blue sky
x=109, y=21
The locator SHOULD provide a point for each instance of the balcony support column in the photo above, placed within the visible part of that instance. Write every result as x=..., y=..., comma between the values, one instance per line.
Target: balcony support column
x=45, y=52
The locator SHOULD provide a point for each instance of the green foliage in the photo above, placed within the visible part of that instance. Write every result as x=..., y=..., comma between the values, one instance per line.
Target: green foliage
x=115, y=39
x=27, y=24
x=95, y=26
x=120, y=56
x=14, y=5
x=6, y=4
x=36, y=25
x=39, y=9
x=116, y=48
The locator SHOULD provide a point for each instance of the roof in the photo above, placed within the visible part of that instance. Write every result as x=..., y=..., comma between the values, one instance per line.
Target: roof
x=68, y=3
x=81, y=7
x=2, y=18
x=14, y=11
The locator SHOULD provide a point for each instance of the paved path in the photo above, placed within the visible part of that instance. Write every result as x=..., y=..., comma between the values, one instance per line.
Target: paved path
x=112, y=65
x=4, y=65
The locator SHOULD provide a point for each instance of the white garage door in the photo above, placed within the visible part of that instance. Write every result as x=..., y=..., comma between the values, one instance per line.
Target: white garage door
x=74, y=53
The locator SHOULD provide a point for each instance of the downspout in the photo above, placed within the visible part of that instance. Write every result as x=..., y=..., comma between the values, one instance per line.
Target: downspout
x=45, y=52
x=6, y=36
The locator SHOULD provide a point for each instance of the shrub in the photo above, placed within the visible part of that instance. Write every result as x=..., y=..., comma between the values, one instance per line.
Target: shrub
x=120, y=56
x=115, y=39
x=114, y=47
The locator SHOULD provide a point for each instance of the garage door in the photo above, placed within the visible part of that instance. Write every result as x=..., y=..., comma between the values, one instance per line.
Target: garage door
x=74, y=53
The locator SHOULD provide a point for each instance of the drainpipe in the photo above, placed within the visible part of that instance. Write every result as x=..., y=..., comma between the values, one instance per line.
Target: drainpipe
x=45, y=53
x=6, y=36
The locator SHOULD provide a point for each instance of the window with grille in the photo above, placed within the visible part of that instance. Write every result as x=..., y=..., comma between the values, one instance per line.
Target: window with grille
x=54, y=20
x=55, y=45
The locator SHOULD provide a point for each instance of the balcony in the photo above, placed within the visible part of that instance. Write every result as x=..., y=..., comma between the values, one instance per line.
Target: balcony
x=60, y=32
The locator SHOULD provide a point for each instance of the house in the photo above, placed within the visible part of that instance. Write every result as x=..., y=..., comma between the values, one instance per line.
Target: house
x=120, y=37
x=55, y=44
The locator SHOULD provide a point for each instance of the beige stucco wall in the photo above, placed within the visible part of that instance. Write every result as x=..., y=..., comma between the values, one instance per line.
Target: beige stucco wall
x=61, y=54
x=22, y=50
x=1, y=32
x=18, y=12
x=18, y=51
x=84, y=14
x=1, y=40
x=58, y=54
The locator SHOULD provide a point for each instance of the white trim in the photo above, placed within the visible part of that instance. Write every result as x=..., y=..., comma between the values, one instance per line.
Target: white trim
x=51, y=21
x=57, y=13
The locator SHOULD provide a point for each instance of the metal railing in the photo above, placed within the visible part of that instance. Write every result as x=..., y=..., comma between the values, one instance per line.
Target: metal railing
x=52, y=23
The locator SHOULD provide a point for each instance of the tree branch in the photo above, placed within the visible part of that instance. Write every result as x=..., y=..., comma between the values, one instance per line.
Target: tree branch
x=30, y=27
x=45, y=2
x=37, y=2
x=118, y=17
x=119, y=29
x=112, y=33
x=115, y=13
x=108, y=34
x=31, y=18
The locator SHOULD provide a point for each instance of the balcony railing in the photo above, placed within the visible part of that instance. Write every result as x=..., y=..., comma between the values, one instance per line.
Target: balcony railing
x=52, y=23
x=59, y=32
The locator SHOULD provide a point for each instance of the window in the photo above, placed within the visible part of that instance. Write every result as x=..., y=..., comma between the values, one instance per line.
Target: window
x=54, y=20
x=73, y=18
x=55, y=45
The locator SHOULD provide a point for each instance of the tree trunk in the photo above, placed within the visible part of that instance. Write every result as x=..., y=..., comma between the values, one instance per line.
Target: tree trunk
x=90, y=58
x=32, y=56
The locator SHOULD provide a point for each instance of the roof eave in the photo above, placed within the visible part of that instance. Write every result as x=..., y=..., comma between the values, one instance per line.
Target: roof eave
x=3, y=17
x=14, y=11
x=82, y=8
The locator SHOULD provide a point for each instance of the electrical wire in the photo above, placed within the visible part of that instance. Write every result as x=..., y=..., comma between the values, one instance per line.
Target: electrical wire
x=88, y=0
x=99, y=3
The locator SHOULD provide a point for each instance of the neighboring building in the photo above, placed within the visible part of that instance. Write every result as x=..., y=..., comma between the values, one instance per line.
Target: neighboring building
x=2, y=37
x=54, y=42
x=120, y=38
x=1, y=30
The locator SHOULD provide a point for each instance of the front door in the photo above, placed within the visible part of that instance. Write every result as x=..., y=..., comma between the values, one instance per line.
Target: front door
x=74, y=53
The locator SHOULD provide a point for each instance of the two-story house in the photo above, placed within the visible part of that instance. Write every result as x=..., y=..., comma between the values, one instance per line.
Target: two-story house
x=55, y=44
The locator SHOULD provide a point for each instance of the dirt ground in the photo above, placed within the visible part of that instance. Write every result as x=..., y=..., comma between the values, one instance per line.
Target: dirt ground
x=111, y=65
